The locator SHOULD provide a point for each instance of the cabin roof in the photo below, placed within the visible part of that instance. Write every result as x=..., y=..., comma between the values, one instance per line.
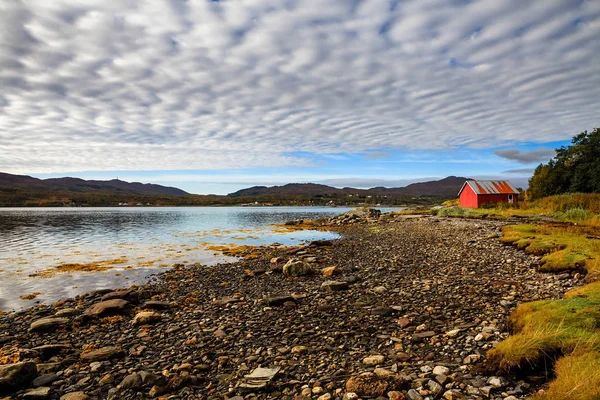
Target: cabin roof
x=490, y=187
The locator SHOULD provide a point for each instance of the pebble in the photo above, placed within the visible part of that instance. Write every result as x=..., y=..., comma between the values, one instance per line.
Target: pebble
x=443, y=281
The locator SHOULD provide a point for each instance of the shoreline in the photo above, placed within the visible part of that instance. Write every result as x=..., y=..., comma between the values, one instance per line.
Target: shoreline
x=416, y=302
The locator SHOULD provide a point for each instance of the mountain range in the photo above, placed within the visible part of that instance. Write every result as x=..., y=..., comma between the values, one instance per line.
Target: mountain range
x=446, y=188
x=76, y=185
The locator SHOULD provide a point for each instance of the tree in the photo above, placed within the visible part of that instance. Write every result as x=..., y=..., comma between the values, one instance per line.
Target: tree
x=575, y=168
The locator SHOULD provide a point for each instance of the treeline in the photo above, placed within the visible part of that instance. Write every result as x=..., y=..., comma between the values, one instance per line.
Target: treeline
x=20, y=198
x=574, y=169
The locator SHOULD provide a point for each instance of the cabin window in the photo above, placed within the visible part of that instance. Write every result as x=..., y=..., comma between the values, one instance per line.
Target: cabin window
x=510, y=198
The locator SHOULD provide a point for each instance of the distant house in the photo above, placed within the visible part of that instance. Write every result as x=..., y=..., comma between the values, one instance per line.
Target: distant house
x=475, y=194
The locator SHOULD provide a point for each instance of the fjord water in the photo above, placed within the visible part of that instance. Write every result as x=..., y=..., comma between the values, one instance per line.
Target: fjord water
x=129, y=243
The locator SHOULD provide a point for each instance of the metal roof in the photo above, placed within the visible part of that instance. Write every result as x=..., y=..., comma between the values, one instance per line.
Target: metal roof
x=490, y=187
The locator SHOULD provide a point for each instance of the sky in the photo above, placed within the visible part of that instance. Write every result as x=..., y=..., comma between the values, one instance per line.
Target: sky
x=213, y=96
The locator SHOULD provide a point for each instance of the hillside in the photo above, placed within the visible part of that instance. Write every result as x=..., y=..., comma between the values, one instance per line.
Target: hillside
x=447, y=187
x=76, y=185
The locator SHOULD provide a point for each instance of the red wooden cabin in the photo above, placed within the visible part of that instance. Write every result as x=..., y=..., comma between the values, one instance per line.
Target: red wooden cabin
x=474, y=194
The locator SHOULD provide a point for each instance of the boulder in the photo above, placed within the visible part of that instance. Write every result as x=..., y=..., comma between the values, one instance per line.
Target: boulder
x=146, y=317
x=17, y=376
x=329, y=271
x=297, y=267
x=107, y=308
x=48, y=324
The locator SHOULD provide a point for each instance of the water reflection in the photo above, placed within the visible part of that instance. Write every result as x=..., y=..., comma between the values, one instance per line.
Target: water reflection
x=144, y=240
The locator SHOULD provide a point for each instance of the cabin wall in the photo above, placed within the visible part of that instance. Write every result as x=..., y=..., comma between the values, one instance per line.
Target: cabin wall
x=495, y=199
x=468, y=198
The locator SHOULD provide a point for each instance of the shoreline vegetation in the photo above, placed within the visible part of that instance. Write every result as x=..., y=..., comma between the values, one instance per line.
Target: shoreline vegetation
x=559, y=337
x=499, y=303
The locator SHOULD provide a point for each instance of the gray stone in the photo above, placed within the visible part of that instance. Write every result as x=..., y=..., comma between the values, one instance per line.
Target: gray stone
x=45, y=380
x=434, y=386
x=414, y=395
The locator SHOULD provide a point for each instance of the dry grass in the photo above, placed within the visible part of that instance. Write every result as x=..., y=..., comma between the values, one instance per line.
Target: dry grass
x=563, y=247
x=565, y=331
x=577, y=378
x=580, y=208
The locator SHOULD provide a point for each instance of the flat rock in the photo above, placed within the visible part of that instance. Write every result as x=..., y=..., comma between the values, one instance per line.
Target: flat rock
x=75, y=396
x=107, y=307
x=66, y=312
x=102, y=354
x=39, y=393
x=278, y=300
x=48, y=324
x=128, y=295
x=334, y=286
x=157, y=305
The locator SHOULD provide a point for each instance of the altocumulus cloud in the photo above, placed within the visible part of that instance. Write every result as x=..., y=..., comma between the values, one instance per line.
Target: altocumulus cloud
x=132, y=85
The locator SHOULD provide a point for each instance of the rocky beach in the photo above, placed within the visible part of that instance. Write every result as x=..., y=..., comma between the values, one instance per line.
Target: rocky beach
x=401, y=307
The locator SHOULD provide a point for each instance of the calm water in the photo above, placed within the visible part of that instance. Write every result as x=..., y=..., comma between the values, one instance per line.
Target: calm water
x=130, y=244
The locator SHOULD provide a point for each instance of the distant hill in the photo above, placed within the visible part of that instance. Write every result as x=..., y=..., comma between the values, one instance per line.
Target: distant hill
x=447, y=187
x=76, y=185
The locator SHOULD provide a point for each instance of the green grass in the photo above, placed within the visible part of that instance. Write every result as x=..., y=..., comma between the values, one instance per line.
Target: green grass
x=580, y=208
x=565, y=331
x=563, y=247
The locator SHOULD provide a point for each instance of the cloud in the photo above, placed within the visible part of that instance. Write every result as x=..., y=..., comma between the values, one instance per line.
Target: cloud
x=528, y=171
x=159, y=84
x=377, y=155
x=526, y=157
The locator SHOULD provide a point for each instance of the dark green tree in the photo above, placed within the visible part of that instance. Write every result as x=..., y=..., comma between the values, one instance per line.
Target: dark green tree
x=575, y=168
